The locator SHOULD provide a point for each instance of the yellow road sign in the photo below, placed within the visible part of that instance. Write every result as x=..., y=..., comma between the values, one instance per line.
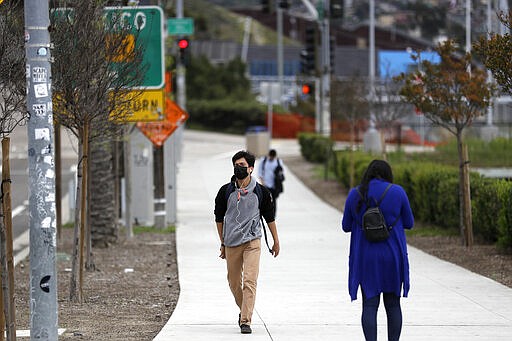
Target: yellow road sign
x=141, y=106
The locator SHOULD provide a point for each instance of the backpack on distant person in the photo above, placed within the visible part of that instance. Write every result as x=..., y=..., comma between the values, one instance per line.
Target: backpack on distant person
x=374, y=225
x=278, y=176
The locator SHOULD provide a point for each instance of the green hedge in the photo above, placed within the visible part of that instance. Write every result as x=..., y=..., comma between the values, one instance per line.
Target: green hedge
x=504, y=190
x=315, y=147
x=433, y=191
x=225, y=115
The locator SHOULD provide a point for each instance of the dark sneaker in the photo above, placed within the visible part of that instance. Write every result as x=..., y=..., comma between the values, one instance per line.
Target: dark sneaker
x=245, y=329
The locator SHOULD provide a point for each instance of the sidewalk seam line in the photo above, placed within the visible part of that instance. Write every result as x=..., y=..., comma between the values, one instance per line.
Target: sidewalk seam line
x=264, y=324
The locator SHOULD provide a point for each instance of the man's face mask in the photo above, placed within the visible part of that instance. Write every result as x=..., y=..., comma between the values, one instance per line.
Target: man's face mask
x=241, y=172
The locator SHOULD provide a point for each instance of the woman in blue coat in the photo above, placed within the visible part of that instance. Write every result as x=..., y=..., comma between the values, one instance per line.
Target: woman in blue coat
x=379, y=267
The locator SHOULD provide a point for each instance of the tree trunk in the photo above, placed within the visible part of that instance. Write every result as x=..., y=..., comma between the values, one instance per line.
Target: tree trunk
x=103, y=209
x=7, y=245
x=4, y=285
x=462, y=227
x=117, y=184
x=73, y=296
x=127, y=185
x=383, y=143
x=89, y=263
x=83, y=213
x=468, y=220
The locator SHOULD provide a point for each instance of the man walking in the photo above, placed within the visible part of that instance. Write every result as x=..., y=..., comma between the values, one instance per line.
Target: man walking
x=238, y=208
x=271, y=174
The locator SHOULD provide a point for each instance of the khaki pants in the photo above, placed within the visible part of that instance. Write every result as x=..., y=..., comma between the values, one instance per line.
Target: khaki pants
x=243, y=264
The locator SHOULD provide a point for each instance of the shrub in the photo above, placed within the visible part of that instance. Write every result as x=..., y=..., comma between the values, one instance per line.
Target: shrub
x=225, y=115
x=505, y=215
x=314, y=147
x=486, y=207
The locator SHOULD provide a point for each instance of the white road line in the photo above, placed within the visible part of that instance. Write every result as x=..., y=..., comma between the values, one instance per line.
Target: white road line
x=22, y=241
x=18, y=210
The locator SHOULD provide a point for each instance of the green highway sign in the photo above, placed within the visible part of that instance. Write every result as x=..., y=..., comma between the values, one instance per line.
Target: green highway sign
x=180, y=26
x=147, y=22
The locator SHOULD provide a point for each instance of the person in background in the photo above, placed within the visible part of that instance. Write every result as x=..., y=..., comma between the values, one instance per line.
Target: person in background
x=239, y=205
x=271, y=174
x=379, y=267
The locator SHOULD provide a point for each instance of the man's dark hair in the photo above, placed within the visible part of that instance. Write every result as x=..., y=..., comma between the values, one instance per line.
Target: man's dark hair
x=246, y=155
x=272, y=153
x=377, y=169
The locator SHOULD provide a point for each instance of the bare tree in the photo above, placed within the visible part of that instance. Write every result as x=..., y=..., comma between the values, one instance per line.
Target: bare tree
x=349, y=103
x=12, y=113
x=388, y=106
x=97, y=59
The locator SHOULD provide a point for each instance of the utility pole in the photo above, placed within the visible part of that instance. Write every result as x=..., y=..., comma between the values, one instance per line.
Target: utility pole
x=41, y=174
x=468, y=26
x=171, y=146
x=371, y=138
x=280, y=72
x=325, y=72
x=322, y=92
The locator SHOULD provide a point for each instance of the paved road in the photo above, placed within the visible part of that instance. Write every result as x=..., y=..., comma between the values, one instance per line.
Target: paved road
x=302, y=295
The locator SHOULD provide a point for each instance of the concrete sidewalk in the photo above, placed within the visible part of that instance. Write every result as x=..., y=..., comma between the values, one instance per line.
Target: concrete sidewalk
x=302, y=294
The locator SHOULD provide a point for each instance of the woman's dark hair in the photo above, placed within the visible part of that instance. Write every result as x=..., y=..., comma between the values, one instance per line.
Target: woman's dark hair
x=377, y=169
x=246, y=155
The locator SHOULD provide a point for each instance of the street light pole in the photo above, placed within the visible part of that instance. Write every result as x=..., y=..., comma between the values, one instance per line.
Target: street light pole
x=41, y=174
x=371, y=138
x=280, y=58
x=325, y=73
x=468, y=26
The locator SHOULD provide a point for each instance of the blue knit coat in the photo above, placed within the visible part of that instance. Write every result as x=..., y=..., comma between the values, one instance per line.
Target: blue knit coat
x=381, y=267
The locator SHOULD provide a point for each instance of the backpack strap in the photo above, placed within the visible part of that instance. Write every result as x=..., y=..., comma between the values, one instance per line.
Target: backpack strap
x=263, y=166
x=362, y=197
x=383, y=194
x=259, y=194
x=390, y=227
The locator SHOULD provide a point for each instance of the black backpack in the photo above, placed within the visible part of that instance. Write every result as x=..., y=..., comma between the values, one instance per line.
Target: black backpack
x=374, y=225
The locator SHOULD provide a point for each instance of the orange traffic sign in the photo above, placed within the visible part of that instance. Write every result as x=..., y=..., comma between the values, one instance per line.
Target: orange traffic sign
x=174, y=113
x=158, y=132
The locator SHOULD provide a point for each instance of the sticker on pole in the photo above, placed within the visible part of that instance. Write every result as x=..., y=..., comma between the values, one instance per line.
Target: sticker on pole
x=44, y=284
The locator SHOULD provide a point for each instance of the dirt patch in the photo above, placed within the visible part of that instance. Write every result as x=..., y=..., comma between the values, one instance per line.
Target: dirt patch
x=482, y=258
x=130, y=296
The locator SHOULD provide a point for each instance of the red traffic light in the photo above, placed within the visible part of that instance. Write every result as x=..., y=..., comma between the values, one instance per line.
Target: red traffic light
x=183, y=43
x=306, y=89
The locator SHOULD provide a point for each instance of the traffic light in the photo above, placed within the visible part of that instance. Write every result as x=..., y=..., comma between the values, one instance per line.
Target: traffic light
x=183, y=44
x=307, y=88
x=284, y=4
x=308, y=54
x=265, y=6
x=336, y=9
